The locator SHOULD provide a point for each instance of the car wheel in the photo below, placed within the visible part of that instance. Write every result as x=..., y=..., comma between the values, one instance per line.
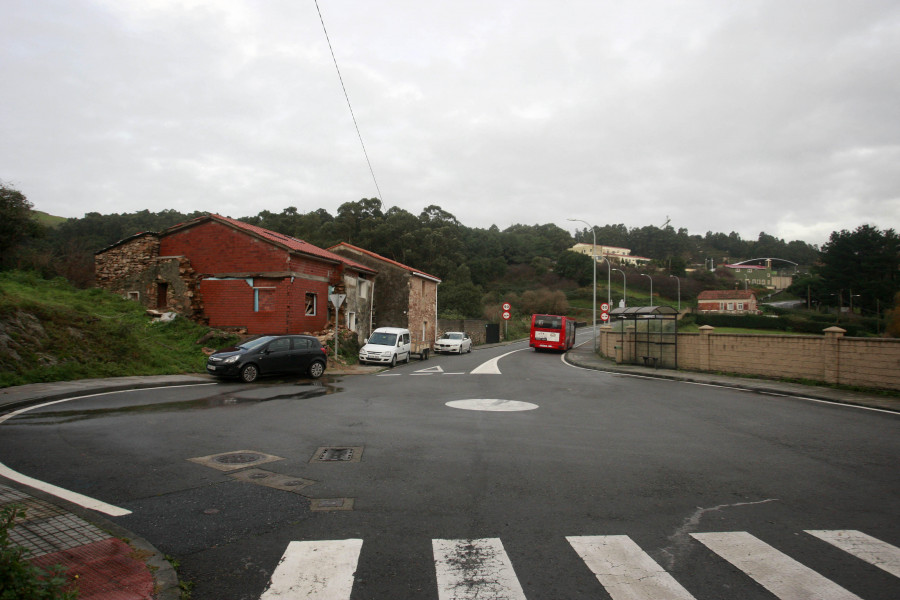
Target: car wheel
x=393, y=361
x=469, y=349
x=249, y=373
x=407, y=358
x=316, y=369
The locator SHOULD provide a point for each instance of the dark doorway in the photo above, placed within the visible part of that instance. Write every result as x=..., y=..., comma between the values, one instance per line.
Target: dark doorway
x=162, y=294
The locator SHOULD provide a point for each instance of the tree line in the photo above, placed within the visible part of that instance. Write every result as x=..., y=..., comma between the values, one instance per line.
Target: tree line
x=475, y=264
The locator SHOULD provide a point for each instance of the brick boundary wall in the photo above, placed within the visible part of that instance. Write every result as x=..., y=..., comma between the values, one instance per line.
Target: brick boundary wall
x=832, y=358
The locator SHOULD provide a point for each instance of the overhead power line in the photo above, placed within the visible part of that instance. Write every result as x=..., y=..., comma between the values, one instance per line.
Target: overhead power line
x=347, y=96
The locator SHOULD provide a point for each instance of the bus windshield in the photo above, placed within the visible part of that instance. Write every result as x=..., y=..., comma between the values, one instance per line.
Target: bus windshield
x=548, y=321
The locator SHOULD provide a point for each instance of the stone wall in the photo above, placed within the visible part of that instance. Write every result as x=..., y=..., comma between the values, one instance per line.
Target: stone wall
x=832, y=358
x=134, y=270
x=474, y=327
x=115, y=268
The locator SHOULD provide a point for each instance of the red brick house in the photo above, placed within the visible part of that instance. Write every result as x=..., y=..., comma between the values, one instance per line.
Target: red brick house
x=233, y=275
x=727, y=302
x=404, y=296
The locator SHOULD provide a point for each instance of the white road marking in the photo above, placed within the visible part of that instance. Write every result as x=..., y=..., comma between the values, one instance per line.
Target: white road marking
x=626, y=571
x=873, y=551
x=490, y=367
x=59, y=492
x=319, y=570
x=775, y=571
x=434, y=369
x=492, y=405
x=470, y=569
x=49, y=488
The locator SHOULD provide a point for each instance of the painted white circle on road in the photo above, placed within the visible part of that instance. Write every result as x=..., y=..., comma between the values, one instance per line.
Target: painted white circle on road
x=491, y=404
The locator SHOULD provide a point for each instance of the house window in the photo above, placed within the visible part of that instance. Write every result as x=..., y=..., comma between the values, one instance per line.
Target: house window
x=136, y=296
x=310, y=304
x=263, y=299
x=740, y=306
x=351, y=321
x=363, y=287
x=729, y=306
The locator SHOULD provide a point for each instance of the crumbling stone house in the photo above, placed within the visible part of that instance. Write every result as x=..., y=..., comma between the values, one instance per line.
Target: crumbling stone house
x=230, y=274
x=404, y=296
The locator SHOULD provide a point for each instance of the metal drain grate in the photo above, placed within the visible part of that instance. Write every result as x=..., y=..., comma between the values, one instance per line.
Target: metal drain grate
x=338, y=454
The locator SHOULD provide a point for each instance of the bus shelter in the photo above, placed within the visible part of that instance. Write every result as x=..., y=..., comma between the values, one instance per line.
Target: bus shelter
x=648, y=335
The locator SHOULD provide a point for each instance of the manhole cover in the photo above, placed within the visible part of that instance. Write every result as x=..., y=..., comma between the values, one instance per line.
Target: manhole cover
x=338, y=454
x=239, y=458
x=235, y=460
x=259, y=476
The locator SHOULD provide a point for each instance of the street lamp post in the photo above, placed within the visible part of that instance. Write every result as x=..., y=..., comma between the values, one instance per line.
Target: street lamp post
x=624, y=287
x=608, y=283
x=593, y=260
x=679, y=291
x=651, y=287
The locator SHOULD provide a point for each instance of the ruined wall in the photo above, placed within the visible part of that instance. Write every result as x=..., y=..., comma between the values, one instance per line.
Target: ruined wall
x=422, y=315
x=118, y=268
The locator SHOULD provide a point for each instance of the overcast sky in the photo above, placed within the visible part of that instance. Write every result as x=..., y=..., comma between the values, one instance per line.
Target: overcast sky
x=780, y=116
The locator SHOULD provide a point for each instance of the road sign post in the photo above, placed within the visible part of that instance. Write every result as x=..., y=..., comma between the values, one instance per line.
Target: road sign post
x=505, y=315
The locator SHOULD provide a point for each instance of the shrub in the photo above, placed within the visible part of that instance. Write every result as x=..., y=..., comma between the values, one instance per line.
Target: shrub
x=19, y=578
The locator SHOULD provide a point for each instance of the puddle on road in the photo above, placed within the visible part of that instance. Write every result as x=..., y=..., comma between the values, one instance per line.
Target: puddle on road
x=252, y=395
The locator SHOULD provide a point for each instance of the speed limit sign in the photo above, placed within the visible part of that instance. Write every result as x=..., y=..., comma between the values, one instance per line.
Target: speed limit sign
x=604, y=307
x=507, y=307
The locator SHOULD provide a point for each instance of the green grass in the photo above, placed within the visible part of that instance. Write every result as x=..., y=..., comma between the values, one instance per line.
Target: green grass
x=52, y=331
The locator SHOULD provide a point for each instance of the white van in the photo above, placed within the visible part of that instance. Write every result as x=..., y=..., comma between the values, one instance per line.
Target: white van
x=388, y=345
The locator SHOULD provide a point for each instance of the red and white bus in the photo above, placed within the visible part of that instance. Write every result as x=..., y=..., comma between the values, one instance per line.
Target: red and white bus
x=552, y=332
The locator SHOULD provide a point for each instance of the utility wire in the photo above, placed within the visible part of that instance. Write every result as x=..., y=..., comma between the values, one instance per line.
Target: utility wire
x=355, y=124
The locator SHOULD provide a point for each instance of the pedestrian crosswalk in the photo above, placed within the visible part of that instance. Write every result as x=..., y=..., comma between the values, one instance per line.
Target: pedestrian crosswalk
x=469, y=569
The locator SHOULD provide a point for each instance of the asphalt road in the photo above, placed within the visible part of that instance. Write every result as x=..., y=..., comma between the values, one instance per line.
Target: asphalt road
x=600, y=465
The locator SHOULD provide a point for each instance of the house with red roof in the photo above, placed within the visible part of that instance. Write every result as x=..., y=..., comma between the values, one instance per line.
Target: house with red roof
x=231, y=274
x=734, y=302
x=404, y=296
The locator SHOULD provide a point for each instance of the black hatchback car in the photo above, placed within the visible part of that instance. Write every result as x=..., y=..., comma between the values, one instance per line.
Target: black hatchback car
x=270, y=354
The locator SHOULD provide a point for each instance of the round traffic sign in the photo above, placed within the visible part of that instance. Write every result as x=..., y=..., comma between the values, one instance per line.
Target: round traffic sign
x=604, y=316
x=505, y=315
x=507, y=306
x=604, y=307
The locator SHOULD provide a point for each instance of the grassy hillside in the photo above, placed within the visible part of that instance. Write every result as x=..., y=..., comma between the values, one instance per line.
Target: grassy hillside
x=52, y=331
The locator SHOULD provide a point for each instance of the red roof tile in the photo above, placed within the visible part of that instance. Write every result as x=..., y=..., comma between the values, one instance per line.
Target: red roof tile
x=726, y=295
x=387, y=260
x=291, y=243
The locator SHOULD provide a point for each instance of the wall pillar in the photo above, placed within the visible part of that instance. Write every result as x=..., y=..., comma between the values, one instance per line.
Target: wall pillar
x=831, y=354
x=705, y=343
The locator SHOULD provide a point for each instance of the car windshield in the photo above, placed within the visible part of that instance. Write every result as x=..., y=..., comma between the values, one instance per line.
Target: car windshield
x=256, y=343
x=383, y=339
x=453, y=336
